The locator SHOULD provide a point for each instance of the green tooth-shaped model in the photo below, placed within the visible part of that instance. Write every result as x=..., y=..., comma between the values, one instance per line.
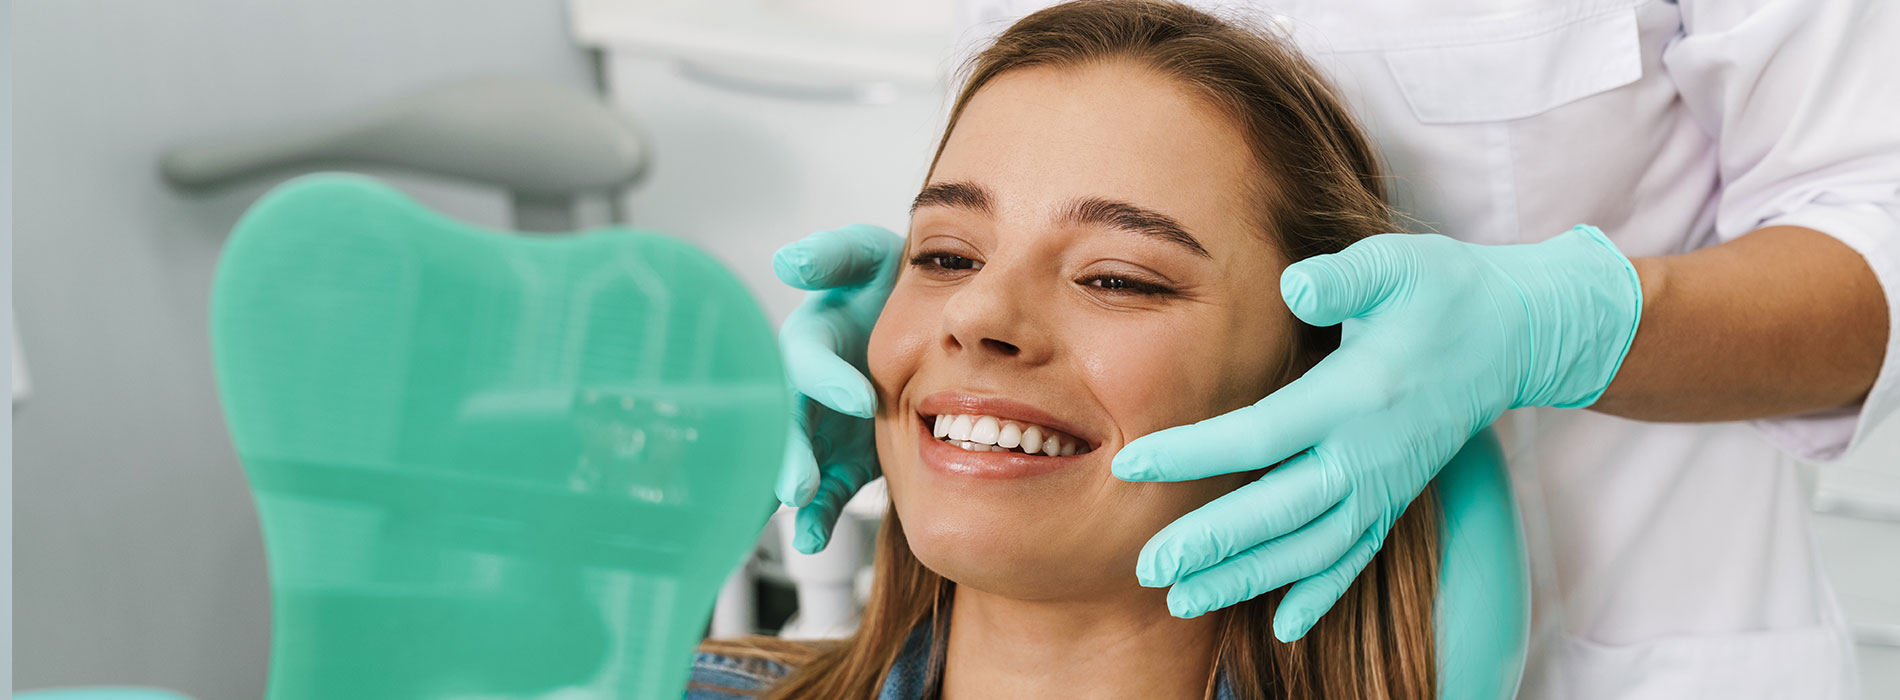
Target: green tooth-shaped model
x=489, y=465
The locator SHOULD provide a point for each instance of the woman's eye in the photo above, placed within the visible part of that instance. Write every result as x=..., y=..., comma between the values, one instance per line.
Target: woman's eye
x=1126, y=285
x=945, y=261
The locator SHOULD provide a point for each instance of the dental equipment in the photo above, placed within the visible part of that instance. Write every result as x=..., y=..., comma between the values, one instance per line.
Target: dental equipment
x=489, y=465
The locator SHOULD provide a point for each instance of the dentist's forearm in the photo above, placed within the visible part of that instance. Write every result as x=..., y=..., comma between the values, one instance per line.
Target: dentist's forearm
x=1781, y=321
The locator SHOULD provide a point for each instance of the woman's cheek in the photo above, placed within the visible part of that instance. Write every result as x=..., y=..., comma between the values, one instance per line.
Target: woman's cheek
x=896, y=346
x=893, y=357
x=1176, y=374
x=1139, y=361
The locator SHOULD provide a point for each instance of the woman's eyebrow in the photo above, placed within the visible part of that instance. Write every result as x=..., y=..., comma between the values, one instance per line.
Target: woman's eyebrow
x=962, y=195
x=1134, y=219
x=1085, y=211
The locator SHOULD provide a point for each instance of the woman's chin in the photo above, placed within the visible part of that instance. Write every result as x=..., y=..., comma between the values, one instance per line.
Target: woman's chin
x=1010, y=559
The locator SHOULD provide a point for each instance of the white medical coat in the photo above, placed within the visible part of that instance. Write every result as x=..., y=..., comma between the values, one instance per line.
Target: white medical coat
x=1669, y=561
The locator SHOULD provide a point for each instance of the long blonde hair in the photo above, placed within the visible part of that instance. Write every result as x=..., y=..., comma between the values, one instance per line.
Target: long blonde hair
x=1320, y=189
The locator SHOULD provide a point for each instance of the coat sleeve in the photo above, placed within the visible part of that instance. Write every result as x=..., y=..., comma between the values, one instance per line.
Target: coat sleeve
x=1802, y=99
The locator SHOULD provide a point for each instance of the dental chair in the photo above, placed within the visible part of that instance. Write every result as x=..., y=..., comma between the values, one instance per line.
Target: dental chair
x=546, y=145
x=1483, y=611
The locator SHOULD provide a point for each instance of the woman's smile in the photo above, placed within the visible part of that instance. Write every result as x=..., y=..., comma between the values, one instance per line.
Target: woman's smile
x=962, y=434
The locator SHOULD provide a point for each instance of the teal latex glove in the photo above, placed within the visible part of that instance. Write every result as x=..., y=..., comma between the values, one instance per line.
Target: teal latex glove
x=850, y=272
x=1439, y=338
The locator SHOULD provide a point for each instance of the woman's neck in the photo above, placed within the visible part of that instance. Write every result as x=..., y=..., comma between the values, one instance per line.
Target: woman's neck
x=1126, y=647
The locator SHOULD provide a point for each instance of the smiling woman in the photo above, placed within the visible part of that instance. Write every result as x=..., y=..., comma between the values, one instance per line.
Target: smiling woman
x=1092, y=259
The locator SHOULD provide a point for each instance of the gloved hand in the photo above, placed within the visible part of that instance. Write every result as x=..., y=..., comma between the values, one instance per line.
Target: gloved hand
x=850, y=272
x=1439, y=338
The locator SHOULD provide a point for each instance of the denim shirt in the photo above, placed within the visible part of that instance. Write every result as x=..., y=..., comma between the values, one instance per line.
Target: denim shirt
x=721, y=677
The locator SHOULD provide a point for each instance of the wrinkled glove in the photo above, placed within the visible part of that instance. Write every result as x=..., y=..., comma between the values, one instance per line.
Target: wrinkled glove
x=850, y=272
x=1439, y=338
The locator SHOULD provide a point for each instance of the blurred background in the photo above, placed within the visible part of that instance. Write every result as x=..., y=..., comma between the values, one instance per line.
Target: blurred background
x=136, y=554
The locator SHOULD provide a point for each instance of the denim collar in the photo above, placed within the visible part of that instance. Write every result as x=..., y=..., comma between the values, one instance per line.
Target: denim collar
x=907, y=680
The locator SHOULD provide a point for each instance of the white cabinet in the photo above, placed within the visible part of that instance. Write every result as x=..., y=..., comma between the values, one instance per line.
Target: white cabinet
x=756, y=143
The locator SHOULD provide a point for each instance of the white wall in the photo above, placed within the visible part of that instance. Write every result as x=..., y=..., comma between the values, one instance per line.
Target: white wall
x=1863, y=554
x=138, y=558
x=6, y=308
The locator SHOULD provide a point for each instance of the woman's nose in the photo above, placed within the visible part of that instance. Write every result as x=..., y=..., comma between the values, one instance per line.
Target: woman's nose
x=989, y=315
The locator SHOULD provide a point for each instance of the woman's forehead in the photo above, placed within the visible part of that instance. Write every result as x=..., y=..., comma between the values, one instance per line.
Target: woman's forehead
x=1039, y=141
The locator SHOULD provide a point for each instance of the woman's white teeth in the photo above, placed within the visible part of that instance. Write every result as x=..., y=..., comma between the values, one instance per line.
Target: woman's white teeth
x=960, y=428
x=986, y=430
x=1010, y=436
x=979, y=433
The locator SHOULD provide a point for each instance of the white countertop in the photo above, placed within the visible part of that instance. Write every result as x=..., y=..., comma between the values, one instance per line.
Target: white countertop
x=849, y=39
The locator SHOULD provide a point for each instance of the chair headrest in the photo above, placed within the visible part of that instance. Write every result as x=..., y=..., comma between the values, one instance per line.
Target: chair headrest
x=1483, y=609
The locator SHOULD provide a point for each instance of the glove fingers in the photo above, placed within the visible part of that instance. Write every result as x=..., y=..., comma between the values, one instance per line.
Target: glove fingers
x=814, y=523
x=842, y=257
x=1325, y=290
x=839, y=482
x=1306, y=600
x=812, y=363
x=798, y=474
x=1282, y=501
x=1307, y=552
x=1289, y=420
x=810, y=444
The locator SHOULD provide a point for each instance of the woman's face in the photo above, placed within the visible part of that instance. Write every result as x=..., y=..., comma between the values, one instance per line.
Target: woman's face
x=1083, y=261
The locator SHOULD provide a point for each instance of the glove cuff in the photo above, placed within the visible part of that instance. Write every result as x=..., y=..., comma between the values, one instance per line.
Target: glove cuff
x=1586, y=302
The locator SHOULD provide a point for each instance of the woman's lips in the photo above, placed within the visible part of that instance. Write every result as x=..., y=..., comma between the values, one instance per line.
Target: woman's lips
x=951, y=402
x=949, y=459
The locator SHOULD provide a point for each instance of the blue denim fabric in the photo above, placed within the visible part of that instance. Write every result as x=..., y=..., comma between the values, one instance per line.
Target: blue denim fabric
x=721, y=677
x=907, y=680
x=718, y=677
